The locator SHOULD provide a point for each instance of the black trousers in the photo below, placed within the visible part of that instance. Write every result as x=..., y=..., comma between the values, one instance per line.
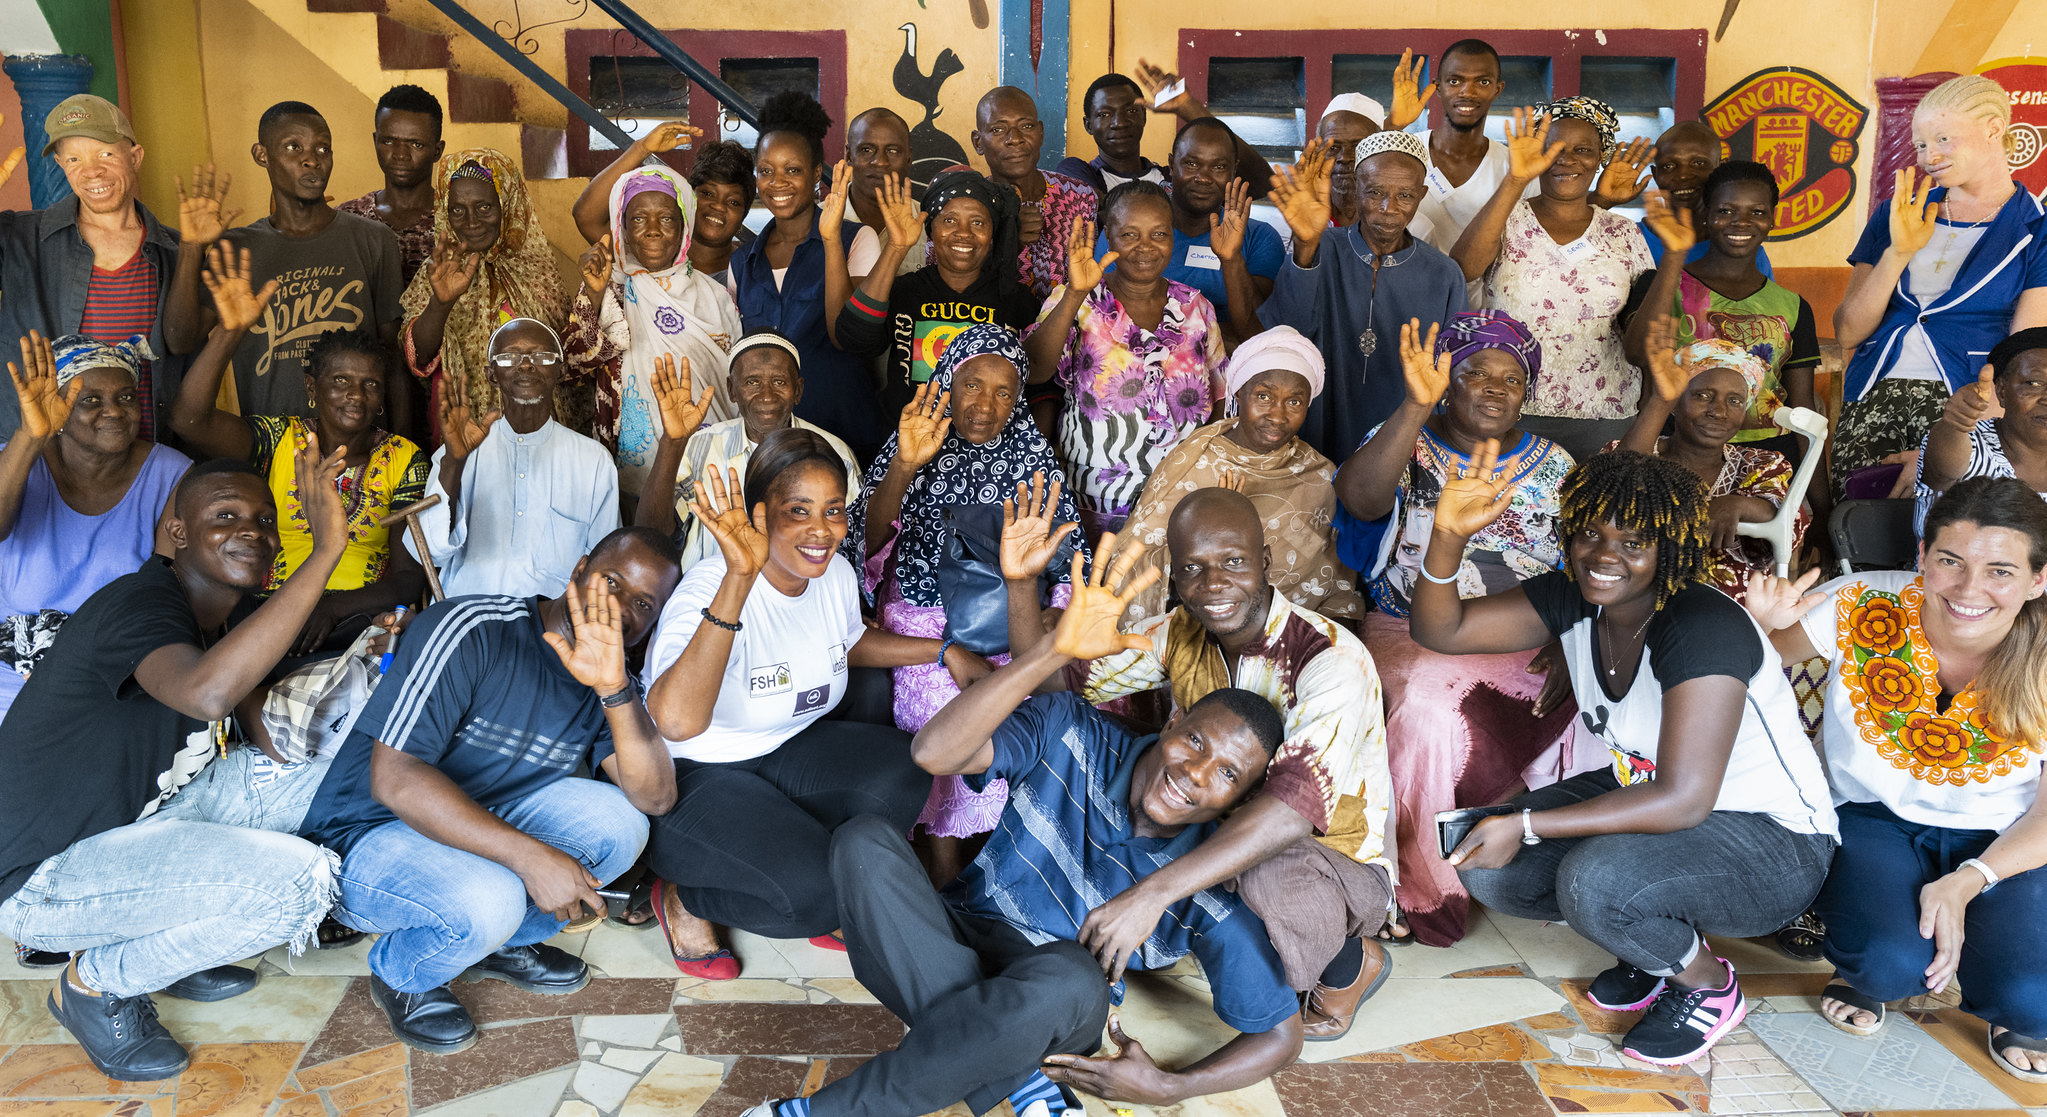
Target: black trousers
x=985, y=1005
x=747, y=842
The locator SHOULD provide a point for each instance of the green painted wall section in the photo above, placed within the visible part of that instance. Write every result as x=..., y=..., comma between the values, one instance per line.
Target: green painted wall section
x=87, y=27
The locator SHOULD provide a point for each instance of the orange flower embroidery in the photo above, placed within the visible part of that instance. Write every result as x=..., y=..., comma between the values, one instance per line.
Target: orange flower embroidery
x=1890, y=683
x=1880, y=625
x=1935, y=740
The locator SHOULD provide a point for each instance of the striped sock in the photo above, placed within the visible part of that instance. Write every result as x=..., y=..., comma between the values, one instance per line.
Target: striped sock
x=1038, y=1088
x=794, y=1107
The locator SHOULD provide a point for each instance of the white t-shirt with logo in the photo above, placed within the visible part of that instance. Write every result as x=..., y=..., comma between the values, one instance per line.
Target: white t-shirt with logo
x=788, y=663
x=1773, y=768
x=1887, y=737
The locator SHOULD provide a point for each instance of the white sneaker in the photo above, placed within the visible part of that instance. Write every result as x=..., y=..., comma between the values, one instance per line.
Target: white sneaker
x=764, y=1109
x=1045, y=1109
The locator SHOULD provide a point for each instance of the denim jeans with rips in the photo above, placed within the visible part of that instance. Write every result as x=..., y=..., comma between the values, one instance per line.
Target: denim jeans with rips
x=441, y=910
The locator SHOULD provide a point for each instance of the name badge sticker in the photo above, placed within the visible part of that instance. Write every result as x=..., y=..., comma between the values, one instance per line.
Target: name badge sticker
x=816, y=698
x=838, y=657
x=1579, y=250
x=1438, y=181
x=772, y=679
x=1202, y=256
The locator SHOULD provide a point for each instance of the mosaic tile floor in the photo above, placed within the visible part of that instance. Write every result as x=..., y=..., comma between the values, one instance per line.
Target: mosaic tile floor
x=1497, y=1026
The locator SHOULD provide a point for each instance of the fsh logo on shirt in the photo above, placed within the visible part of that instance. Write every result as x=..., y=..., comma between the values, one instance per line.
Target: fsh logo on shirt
x=772, y=679
x=816, y=698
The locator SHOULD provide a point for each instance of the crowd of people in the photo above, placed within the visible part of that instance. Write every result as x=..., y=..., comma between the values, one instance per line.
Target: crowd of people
x=1021, y=579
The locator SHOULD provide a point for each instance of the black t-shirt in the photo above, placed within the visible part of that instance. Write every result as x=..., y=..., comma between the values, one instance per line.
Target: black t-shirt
x=924, y=314
x=85, y=748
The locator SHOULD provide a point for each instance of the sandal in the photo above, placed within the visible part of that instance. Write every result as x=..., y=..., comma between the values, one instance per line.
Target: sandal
x=1387, y=936
x=29, y=958
x=1803, y=939
x=1847, y=995
x=719, y=965
x=2010, y=1040
x=639, y=906
x=334, y=934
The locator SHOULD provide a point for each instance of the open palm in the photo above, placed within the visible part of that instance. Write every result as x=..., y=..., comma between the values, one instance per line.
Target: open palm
x=1476, y=496
x=1301, y=192
x=1083, y=271
x=461, y=427
x=1409, y=98
x=680, y=415
x=1088, y=629
x=202, y=212
x=923, y=426
x=720, y=506
x=596, y=658
x=1426, y=371
x=1673, y=228
x=227, y=280
x=1912, y=215
x=1528, y=151
x=899, y=212
x=44, y=409
x=1031, y=533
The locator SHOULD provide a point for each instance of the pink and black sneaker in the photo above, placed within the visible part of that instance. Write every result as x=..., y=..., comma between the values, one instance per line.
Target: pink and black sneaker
x=1624, y=988
x=1684, y=1024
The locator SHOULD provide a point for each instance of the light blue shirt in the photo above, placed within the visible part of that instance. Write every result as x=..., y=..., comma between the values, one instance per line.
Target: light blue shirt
x=532, y=504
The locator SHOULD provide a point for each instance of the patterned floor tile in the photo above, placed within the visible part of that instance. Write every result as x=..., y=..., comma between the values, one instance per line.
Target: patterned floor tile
x=338, y=1071
x=1900, y=1068
x=491, y=1002
x=535, y=1096
x=678, y=1086
x=1602, y=1090
x=1410, y=1090
x=24, y=1018
x=1409, y=1010
x=290, y=1008
x=1967, y=1036
x=234, y=1079
x=503, y=1055
x=62, y=1071
x=787, y=1029
x=751, y=1081
x=1495, y=1044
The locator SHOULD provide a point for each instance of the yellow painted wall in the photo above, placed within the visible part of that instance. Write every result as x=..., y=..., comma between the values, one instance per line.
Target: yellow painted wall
x=166, y=96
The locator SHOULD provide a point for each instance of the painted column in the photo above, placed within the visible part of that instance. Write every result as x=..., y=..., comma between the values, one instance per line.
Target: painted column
x=43, y=80
x=1035, y=38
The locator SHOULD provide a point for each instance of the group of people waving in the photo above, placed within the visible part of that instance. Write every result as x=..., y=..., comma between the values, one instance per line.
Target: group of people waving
x=1181, y=591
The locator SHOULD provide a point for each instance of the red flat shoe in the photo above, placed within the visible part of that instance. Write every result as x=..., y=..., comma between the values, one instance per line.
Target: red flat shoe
x=833, y=941
x=718, y=965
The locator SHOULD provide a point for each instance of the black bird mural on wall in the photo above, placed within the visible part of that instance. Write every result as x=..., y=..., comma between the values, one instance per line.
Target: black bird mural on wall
x=931, y=150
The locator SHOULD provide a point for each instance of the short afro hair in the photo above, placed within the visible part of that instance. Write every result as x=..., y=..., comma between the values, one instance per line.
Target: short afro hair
x=1739, y=170
x=276, y=114
x=1256, y=713
x=1104, y=83
x=411, y=98
x=798, y=112
x=726, y=163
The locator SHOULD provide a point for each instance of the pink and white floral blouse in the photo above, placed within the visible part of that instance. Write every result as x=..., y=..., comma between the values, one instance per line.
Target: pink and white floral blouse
x=1132, y=393
x=1570, y=297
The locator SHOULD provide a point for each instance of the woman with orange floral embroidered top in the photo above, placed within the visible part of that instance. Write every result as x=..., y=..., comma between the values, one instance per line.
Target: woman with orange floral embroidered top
x=1935, y=722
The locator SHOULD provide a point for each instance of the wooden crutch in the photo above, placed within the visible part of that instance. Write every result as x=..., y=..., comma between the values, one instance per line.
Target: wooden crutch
x=410, y=515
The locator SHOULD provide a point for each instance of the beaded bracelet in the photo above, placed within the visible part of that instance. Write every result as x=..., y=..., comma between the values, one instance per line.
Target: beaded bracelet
x=729, y=626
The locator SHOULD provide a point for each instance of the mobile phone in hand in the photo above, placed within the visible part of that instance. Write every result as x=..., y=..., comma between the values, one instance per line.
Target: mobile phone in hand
x=1167, y=95
x=1452, y=827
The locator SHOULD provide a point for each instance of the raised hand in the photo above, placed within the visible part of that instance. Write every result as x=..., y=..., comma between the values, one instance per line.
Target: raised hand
x=1476, y=496
x=202, y=212
x=1976, y=402
x=1672, y=227
x=462, y=429
x=12, y=161
x=1408, y=101
x=720, y=506
x=1529, y=152
x=318, y=497
x=450, y=271
x=669, y=135
x=680, y=415
x=1623, y=179
x=923, y=426
x=1426, y=371
x=1778, y=603
x=1301, y=192
x=1087, y=630
x=1912, y=216
x=900, y=214
x=1660, y=348
x=1083, y=271
x=596, y=657
x=596, y=266
x=831, y=212
x=1030, y=532
x=1228, y=225
x=227, y=280
x=1152, y=80
x=44, y=409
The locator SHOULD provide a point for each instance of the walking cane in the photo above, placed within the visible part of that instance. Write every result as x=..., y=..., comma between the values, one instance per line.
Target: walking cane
x=410, y=514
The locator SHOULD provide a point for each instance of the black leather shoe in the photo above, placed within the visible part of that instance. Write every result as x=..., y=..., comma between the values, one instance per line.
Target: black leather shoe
x=216, y=984
x=120, y=1035
x=432, y=1021
x=31, y=959
x=539, y=968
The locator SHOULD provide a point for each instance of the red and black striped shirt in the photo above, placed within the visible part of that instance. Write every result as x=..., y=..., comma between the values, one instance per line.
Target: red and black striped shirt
x=118, y=305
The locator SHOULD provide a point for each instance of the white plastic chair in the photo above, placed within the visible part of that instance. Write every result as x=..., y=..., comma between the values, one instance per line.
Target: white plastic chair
x=1780, y=529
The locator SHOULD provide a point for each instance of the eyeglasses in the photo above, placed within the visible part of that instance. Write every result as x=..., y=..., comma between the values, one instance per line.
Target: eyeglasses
x=514, y=360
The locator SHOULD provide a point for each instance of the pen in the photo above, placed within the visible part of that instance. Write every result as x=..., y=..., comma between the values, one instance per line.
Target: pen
x=391, y=646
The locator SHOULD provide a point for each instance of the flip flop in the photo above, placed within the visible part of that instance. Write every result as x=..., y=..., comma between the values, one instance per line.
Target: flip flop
x=639, y=902
x=1847, y=995
x=719, y=965
x=1803, y=939
x=1396, y=917
x=334, y=935
x=2010, y=1040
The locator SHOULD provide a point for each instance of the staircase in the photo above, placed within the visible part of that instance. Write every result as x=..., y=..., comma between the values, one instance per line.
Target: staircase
x=375, y=44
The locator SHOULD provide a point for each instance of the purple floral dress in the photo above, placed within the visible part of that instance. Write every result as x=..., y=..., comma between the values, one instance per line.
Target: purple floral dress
x=1132, y=393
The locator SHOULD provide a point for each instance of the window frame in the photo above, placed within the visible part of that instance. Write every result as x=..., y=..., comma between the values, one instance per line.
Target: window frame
x=709, y=47
x=1318, y=48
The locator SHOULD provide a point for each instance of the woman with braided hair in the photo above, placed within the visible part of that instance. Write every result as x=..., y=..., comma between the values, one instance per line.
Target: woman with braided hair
x=1714, y=816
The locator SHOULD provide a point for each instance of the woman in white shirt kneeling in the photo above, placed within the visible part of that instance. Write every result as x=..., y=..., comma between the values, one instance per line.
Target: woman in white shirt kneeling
x=1714, y=815
x=749, y=656
x=1935, y=721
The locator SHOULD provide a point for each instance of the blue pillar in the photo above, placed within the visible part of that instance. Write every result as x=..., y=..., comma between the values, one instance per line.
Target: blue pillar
x=43, y=80
x=1046, y=82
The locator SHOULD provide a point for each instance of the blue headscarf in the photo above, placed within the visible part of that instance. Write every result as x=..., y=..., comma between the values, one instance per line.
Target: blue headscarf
x=74, y=353
x=962, y=473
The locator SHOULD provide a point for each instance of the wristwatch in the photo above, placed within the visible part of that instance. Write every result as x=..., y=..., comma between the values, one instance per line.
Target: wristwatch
x=1528, y=835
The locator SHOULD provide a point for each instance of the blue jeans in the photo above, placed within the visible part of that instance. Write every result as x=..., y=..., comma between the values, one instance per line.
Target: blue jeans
x=441, y=910
x=1871, y=907
x=212, y=878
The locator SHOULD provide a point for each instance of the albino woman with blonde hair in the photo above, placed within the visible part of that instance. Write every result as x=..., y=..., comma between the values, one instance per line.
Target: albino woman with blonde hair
x=1955, y=263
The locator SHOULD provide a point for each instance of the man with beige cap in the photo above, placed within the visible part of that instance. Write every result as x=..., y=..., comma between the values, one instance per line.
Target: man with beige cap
x=97, y=263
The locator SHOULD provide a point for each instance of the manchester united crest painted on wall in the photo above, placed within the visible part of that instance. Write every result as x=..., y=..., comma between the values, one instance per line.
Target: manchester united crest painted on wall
x=1802, y=127
x=2025, y=79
